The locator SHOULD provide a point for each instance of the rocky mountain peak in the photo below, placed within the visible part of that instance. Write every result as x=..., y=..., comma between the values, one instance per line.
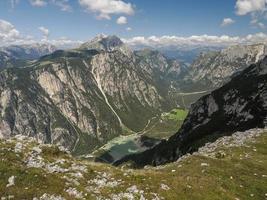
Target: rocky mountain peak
x=99, y=37
x=258, y=51
x=103, y=42
x=108, y=44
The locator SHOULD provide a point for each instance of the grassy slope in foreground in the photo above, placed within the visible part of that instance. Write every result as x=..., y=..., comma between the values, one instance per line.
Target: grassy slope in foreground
x=237, y=173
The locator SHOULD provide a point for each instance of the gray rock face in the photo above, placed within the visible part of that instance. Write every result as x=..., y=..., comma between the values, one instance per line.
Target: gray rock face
x=165, y=73
x=82, y=98
x=106, y=43
x=213, y=69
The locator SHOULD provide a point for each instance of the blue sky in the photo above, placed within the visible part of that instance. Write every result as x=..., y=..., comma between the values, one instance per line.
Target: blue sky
x=80, y=19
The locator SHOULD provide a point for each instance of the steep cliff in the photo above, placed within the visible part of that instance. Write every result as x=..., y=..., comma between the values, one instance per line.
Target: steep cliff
x=215, y=68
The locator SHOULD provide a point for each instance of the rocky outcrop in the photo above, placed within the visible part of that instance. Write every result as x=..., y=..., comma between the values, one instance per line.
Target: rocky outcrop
x=106, y=43
x=213, y=69
x=239, y=105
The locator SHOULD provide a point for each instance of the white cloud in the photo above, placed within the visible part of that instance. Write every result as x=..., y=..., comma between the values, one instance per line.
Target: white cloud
x=261, y=25
x=62, y=4
x=227, y=21
x=201, y=40
x=105, y=8
x=8, y=33
x=255, y=23
x=38, y=3
x=255, y=8
x=62, y=42
x=122, y=20
x=45, y=31
x=129, y=29
x=244, y=7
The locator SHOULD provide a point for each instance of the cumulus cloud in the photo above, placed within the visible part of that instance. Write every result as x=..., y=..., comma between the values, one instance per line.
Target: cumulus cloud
x=62, y=42
x=257, y=24
x=8, y=33
x=261, y=25
x=122, y=20
x=244, y=7
x=38, y=3
x=62, y=4
x=227, y=21
x=105, y=8
x=255, y=8
x=129, y=29
x=201, y=40
x=44, y=31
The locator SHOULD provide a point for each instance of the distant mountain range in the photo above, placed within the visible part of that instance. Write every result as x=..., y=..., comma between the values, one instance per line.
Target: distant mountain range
x=187, y=55
x=17, y=55
x=183, y=53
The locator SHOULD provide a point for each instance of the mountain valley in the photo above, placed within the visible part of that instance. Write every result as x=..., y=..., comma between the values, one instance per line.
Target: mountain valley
x=69, y=114
x=85, y=97
x=133, y=100
x=82, y=98
x=239, y=105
